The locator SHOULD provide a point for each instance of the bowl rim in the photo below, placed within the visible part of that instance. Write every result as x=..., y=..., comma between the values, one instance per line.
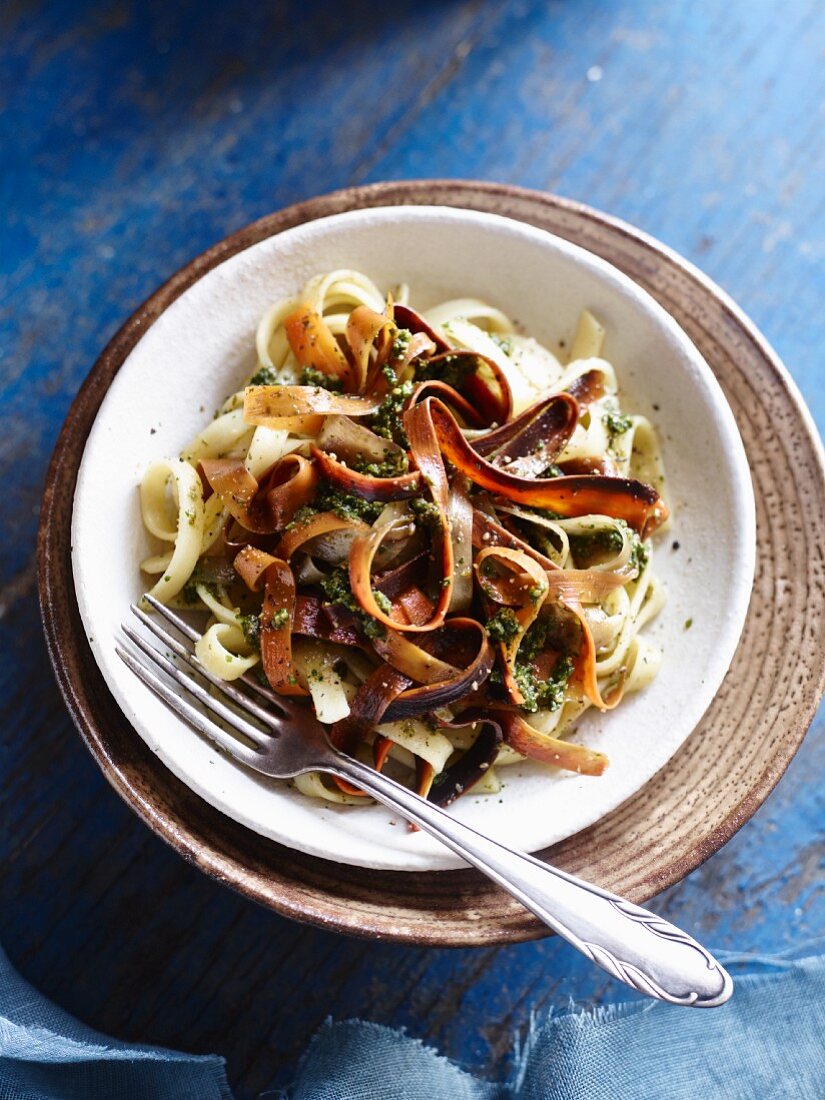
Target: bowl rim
x=230, y=865
x=367, y=842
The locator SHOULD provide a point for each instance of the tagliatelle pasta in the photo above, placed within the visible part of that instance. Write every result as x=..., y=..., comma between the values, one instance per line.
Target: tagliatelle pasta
x=427, y=525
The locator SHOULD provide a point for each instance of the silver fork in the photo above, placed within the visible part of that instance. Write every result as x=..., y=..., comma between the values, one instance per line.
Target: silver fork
x=283, y=739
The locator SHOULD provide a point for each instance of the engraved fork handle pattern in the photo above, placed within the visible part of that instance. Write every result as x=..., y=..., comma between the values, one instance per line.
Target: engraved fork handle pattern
x=635, y=946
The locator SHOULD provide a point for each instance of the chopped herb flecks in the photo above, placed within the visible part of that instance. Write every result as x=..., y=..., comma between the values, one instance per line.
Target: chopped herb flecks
x=337, y=589
x=503, y=626
x=189, y=593
x=251, y=627
x=264, y=376
x=346, y=505
x=312, y=377
x=543, y=694
x=392, y=465
x=388, y=420
x=383, y=602
x=329, y=498
x=617, y=424
x=426, y=513
x=401, y=343
x=452, y=369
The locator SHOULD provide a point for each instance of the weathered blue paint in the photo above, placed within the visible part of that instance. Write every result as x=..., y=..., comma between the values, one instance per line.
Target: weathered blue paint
x=133, y=135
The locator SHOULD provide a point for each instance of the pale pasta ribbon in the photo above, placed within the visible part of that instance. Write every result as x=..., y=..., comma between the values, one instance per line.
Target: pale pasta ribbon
x=173, y=478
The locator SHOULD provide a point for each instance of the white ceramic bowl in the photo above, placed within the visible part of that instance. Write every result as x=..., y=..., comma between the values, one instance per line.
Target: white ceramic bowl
x=202, y=347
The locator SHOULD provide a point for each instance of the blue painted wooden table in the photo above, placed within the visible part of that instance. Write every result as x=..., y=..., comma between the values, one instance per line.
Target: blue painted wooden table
x=132, y=136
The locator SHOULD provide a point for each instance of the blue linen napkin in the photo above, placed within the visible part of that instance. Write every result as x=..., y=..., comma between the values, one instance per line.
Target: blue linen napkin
x=45, y=1054
x=765, y=1043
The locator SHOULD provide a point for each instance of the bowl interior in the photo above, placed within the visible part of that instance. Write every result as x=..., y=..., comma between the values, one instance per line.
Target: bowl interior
x=201, y=348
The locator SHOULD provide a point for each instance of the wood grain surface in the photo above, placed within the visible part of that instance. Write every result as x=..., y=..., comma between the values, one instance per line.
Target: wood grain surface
x=135, y=135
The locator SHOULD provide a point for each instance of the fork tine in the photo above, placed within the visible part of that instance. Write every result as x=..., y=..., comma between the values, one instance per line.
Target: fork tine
x=226, y=686
x=190, y=714
x=192, y=634
x=167, y=613
x=256, y=736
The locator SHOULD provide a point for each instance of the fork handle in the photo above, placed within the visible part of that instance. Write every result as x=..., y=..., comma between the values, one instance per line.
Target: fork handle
x=630, y=943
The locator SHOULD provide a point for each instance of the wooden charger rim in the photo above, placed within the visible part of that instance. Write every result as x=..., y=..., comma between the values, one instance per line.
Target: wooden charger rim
x=710, y=788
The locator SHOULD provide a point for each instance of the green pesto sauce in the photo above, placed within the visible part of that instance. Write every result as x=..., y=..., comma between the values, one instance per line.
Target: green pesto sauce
x=547, y=694
x=536, y=639
x=264, y=376
x=503, y=626
x=251, y=627
x=305, y=512
x=328, y=498
x=383, y=602
x=189, y=593
x=616, y=423
x=393, y=465
x=640, y=554
x=337, y=589
x=425, y=512
x=596, y=545
x=371, y=627
x=546, y=513
x=539, y=694
x=346, y=505
x=600, y=545
x=552, y=471
x=453, y=370
x=401, y=343
x=312, y=377
x=387, y=421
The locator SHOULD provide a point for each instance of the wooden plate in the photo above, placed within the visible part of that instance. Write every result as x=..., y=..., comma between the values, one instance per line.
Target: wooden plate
x=688, y=810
